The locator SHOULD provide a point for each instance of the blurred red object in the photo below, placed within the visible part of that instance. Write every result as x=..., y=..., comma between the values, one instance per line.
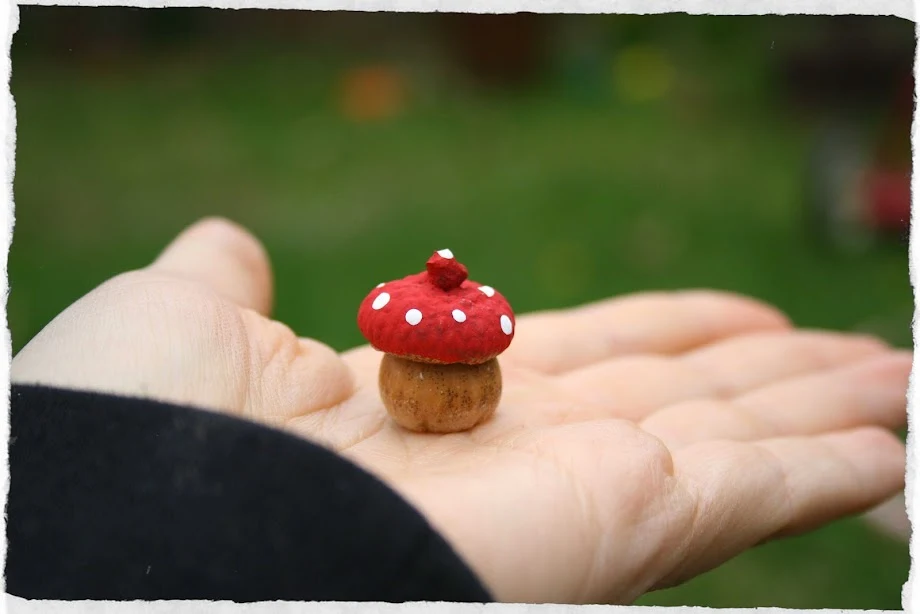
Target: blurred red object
x=888, y=196
x=860, y=180
x=889, y=175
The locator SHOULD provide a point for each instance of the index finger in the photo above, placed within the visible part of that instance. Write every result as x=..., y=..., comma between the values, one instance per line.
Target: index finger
x=665, y=323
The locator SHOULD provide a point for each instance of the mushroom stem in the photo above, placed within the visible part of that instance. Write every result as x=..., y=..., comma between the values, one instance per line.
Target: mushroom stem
x=439, y=398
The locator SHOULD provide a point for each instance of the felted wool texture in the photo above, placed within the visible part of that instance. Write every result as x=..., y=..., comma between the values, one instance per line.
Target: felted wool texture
x=438, y=316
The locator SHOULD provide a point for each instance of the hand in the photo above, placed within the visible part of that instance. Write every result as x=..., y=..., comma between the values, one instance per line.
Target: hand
x=640, y=441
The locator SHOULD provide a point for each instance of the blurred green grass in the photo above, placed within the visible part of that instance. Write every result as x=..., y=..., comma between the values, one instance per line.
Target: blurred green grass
x=553, y=199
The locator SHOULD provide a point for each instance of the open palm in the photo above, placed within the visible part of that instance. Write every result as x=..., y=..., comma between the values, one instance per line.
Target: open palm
x=640, y=441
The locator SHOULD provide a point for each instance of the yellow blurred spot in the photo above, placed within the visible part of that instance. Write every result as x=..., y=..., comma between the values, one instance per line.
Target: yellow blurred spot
x=643, y=73
x=372, y=93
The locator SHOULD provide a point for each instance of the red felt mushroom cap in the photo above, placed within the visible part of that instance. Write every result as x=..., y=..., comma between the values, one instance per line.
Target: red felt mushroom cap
x=438, y=316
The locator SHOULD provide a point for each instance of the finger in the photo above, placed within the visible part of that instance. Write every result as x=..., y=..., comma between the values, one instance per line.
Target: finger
x=226, y=258
x=870, y=392
x=742, y=363
x=635, y=386
x=748, y=493
x=653, y=323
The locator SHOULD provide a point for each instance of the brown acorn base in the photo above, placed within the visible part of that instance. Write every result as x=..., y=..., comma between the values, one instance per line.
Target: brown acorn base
x=438, y=398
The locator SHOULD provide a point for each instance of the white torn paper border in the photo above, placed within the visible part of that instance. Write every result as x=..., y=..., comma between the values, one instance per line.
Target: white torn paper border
x=21, y=606
x=909, y=599
x=9, y=21
x=897, y=8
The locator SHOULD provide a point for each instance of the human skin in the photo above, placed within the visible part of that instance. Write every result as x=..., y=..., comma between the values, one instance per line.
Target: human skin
x=640, y=440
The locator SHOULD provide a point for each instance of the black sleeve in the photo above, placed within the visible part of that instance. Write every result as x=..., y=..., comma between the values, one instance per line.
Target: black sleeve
x=114, y=498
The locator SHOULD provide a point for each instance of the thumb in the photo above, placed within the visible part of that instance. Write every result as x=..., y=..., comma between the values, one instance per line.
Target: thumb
x=223, y=256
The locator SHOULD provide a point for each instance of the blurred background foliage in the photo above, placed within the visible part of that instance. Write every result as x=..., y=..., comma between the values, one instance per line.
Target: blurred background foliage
x=562, y=158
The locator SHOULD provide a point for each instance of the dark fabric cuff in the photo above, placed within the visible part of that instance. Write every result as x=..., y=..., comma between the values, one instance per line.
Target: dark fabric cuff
x=117, y=498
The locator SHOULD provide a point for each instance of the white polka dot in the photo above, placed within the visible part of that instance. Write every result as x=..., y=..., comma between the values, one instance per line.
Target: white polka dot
x=380, y=302
x=413, y=316
x=459, y=316
x=445, y=253
x=380, y=285
x=506, y=324
x=487, y=290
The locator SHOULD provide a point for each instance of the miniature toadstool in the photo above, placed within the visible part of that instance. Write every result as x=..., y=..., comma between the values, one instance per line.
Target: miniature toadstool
x=440, y=334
